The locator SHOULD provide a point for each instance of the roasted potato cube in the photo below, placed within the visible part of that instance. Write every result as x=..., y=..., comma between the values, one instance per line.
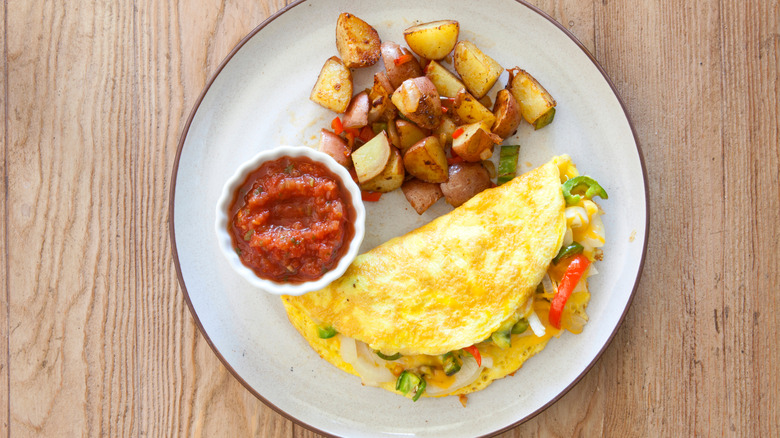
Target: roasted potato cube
x=356, y=115
x=445, y=130
x=469, y=110
x=478, y=71
x=475, y=143
x=357, y=42
x=465, y=181
x=409, y=134
x=507, y=112
x=391, y=177
x=398, y=65
x=447, y=84
x=380, y=105
x=420, y=194
x=371, y=158
x=433, y=40
x=336, y=147
x=426, y=160
x=533, y=98
x=418, y=100
x=333, y=88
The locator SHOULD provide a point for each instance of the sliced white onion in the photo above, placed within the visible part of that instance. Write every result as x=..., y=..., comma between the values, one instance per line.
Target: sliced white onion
x=592, y=270
x=371, y=367
x=536, y=325
x=469, y=372
x=576, y=217
x=595, y=237
x=548, y=285
x=568, y=237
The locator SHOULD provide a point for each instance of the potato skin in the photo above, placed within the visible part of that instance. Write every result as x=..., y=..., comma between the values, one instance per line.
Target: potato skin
x=358, y=42
x=465, y=181
x=507, y=112
x=336, y=147
x=333, y=89
x=356, y=115
x=418, y=100
x=420, y=194
x=397, y=74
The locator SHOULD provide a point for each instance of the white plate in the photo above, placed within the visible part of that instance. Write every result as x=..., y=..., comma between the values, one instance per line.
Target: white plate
x=258, y=98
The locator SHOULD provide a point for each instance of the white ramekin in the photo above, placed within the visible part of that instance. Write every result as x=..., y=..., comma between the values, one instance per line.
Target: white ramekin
x=238, y=178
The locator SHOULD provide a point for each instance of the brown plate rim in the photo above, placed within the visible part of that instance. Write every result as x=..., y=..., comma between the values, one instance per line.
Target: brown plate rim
x=172, y=231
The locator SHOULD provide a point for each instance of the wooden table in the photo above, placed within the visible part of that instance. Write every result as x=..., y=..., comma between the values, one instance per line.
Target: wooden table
x=95, y=335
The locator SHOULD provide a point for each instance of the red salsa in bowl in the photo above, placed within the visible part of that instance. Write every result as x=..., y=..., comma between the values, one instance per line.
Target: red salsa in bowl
x=291, y=220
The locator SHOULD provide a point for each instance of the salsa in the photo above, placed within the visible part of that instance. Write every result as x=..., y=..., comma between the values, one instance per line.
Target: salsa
x=291, y=220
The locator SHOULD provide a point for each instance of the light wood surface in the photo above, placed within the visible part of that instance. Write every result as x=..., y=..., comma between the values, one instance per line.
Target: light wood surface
x=95, y=335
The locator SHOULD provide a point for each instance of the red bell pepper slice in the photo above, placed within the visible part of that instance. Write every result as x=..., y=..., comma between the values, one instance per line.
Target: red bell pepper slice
x=366, y=134
x=569, y=281
x=370, y=196
x=403, y=59
x=337, y=126
x=458, y=132
x=474, y=352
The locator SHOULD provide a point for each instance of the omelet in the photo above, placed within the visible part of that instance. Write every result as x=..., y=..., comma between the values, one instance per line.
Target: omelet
x=461, y=301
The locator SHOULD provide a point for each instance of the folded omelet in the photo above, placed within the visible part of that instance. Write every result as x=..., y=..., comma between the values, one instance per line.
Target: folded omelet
x=464, y=299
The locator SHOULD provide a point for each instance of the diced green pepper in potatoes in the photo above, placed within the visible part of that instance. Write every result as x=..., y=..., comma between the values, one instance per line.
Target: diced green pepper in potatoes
x=336, y=147
x=426, y=160
x=333, y=88
x=478, y=71
x=418, y=100
x=469, y=110
x=391, y=177
x=409, y=134
x=447, y=84
x=507, y=112
x=420, y=194
x=356, y=115
x=475, y=143
x=357, y=42
x=536, y=105
x=400, y=64
x=433, y=40
x=371, y=158
x=465, y=181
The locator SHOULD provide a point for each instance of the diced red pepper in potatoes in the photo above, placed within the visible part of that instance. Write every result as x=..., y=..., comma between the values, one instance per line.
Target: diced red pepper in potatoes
x=478, y=71
x=356, y=115
x=398, y=72
x=409, y=134
x=357, y=42
x=371, y=158
x=536, y=105
x=445, y=130
x=333, y=88
x=465, y=181
x=475, y=143
x=418, y=100
x=427, y=161
x=336, y=147
x=433, y=40
x=421, y=195
x=507, y=112
x=447, y=84
x=391, y=177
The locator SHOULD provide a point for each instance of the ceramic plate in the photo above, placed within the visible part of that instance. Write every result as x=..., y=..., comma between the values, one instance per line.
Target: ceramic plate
x=258, y=99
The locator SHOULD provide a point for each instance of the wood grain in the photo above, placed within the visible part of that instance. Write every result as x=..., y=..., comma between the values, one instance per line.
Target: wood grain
x=178, y=47
x=95, y=335
x=4, y=293
x=72, y=313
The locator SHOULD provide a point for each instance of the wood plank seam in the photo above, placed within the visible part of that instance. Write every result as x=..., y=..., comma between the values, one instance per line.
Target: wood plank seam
x=5, y=222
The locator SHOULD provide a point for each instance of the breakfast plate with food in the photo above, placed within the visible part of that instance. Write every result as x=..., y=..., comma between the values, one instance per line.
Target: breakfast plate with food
x=407, y=218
